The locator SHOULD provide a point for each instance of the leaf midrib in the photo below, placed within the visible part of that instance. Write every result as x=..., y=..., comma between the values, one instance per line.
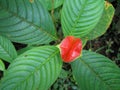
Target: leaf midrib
x=95, y=73
x=37, y=68
x=30, y=23
x=78, y=18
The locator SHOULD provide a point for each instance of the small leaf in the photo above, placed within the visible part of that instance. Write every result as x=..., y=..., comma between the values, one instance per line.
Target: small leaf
x=79, y=17
x=36, y=69
x=51, y=4
x=7, y=50
x=2, y=66
x=104, y=22
x=25, y=22
x=96, y=72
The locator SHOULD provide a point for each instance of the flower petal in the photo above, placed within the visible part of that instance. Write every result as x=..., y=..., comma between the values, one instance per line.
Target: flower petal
x=70, y=48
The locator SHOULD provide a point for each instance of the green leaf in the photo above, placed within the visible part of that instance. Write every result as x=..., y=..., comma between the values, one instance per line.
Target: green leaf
x=26, y=22
x=7, y=50
x=79, y=17
x=2, y=66
x=36, y=69
x=51, y=4
x=96, y=72
x=104, y=22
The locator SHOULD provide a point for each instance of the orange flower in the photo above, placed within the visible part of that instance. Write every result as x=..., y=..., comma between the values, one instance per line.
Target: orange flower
x=70, y=48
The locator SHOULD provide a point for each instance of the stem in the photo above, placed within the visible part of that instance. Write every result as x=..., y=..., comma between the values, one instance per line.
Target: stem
x=52, y=13
x=100, y=48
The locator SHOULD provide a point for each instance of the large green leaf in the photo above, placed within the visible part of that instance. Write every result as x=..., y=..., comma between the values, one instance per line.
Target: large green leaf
x=7, y=50
x=36, y=69
x=51, y=4
x=26, y=22
x=104, y=22
x=96, y=72
x=79, y=17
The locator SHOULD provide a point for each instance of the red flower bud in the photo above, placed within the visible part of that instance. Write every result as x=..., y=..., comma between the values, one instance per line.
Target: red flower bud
x=70, y=48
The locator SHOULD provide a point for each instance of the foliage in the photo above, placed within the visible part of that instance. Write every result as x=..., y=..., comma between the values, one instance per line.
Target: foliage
x=41, y=25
